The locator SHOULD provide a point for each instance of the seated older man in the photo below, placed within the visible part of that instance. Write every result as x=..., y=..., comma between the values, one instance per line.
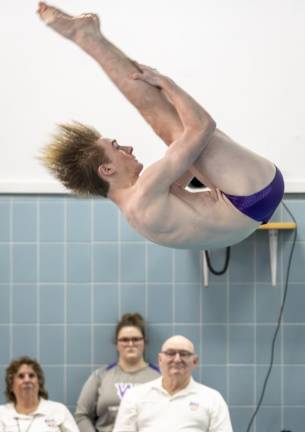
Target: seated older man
x=174, y=402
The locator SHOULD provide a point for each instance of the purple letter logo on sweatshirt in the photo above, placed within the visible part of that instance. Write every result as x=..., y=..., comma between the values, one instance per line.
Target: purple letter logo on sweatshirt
x=122, y=388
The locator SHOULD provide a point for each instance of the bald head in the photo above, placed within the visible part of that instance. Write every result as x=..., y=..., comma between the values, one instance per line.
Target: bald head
x=177, y=361
x=178, y=342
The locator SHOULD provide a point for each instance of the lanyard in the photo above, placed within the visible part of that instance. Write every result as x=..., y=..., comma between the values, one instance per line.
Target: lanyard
x=29, y=426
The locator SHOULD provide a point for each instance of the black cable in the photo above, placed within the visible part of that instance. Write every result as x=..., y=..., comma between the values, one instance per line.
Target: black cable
x=278, y=324
x=226, y=264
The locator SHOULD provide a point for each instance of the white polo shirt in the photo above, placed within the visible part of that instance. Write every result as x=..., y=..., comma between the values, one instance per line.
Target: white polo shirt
x=196, y=408
x=49, y=417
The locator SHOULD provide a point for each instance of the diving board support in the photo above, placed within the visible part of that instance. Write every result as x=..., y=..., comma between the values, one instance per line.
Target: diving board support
x=273, y=242
x=273, y=228
x=205, y=269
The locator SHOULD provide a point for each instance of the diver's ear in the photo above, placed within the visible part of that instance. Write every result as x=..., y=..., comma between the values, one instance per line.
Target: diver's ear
x=105, y=170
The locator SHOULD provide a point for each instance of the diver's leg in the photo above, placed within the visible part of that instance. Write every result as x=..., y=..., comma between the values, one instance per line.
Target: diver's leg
x=232, y=168
x=84, y=30
x=222, y=164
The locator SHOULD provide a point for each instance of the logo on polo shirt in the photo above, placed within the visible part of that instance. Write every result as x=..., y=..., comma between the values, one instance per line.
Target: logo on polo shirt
x=194, y=406
x=51, y=423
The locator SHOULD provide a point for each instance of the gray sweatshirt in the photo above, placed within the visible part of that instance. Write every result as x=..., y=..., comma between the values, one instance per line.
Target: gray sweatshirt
x=102, y=393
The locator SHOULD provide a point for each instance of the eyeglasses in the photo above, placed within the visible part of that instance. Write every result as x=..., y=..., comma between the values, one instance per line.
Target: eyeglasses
x=126, y=340
x=182, y=353
x=22, y=375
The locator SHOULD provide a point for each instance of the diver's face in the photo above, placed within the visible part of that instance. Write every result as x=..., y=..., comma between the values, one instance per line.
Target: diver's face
x=120, y=158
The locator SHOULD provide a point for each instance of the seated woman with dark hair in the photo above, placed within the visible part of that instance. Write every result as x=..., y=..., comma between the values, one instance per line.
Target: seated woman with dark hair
x=28, y=408
x=101, y=395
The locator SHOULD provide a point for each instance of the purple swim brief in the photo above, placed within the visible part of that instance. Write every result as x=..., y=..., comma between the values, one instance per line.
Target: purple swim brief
x=261, y=205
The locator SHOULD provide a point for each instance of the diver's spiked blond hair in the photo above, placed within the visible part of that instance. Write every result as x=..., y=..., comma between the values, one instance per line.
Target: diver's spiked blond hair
x=73, y=157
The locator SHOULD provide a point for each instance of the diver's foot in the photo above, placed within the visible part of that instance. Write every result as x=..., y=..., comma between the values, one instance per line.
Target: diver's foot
x=75, y=28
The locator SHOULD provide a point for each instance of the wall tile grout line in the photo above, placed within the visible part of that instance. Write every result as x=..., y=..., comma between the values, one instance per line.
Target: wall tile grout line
x=92, y=299
x=38, y=277
x=281, y=336
x=174, y=290
x=11, y=276
x=228, y=334
x=146, y=282
x=187, y=284
x=154, y=324
x=201, y=288
x=65, y=299
x=254, y=327
x=204, y=364
x=119, y=228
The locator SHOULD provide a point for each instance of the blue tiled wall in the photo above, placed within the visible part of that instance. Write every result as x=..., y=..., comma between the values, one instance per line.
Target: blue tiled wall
x=70, y=267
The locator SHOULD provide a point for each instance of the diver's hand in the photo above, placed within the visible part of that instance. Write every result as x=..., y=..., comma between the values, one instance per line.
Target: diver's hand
x=150, y=76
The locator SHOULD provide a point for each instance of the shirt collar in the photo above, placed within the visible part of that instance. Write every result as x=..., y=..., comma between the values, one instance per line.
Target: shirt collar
x=190, y=388
x=41, y=410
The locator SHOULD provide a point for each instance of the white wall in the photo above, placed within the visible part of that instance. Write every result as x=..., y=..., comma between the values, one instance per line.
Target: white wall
x=243, y=60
